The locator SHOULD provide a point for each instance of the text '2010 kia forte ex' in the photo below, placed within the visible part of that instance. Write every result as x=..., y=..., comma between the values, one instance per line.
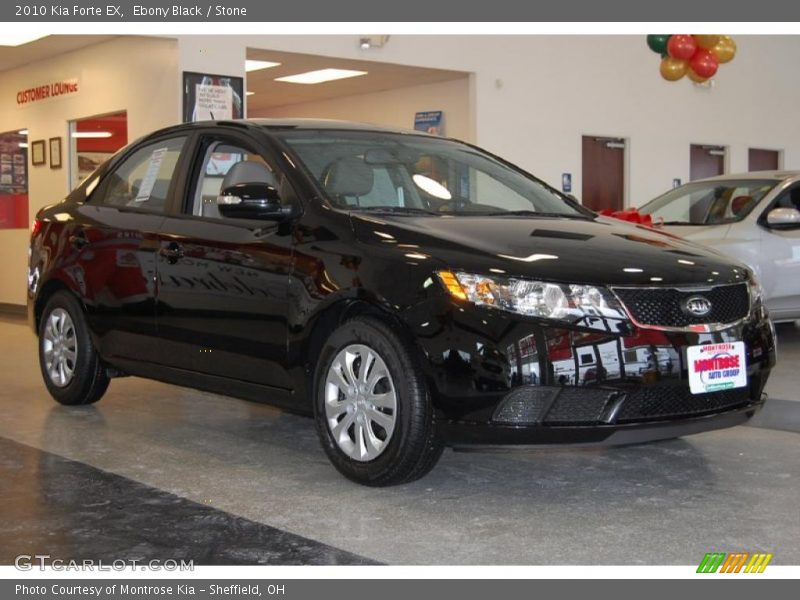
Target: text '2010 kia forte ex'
x=408, y=291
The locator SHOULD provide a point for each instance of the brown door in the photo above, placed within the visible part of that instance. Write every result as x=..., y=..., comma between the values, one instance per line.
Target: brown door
x=762, y=160
x=603, y=173
x=706, y=161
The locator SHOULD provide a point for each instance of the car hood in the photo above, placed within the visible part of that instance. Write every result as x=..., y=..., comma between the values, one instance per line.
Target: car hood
x=699, y=233
x=599, y=251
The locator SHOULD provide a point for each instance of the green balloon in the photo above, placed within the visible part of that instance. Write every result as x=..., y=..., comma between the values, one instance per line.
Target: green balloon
x=658, y=43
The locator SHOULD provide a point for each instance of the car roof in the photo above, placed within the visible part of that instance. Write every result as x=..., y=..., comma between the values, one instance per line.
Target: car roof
x=310, y=124
x=780, y=175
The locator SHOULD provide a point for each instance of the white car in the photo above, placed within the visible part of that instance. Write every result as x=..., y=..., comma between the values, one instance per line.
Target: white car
x=753, y=217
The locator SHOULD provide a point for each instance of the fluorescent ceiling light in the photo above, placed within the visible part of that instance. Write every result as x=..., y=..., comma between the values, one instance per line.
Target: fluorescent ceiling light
x=249, y=93
x=23, y=144
x=23, y=132
x=257, y=65
x=321, y=76
x=18, y=39
x=91, y=134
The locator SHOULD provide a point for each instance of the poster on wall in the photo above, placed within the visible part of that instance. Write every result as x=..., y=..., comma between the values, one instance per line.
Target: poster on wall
x=212, y=97
x=13, y=180
x=430, y=121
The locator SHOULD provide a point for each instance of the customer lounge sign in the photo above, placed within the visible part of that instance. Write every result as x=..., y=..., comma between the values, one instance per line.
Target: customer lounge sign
x=52, y=89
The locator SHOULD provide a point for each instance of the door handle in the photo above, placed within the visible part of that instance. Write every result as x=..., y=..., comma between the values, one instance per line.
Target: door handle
x=173, y=252
x=78, y=240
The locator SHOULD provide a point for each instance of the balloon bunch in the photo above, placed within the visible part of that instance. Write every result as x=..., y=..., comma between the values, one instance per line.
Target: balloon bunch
x=696, y=56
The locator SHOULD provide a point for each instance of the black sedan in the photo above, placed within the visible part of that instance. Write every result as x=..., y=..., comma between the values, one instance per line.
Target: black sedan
x=408, y=291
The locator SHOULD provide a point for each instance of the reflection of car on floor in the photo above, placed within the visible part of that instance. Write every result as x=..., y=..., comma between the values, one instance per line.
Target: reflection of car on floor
x=752, y=217
x=407, y=291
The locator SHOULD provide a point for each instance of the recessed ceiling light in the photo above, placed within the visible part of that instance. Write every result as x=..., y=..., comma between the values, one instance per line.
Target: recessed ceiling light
x=91, y=134
x=18, y=39
x=257, y=65
x=321, y=76
x=249, y=93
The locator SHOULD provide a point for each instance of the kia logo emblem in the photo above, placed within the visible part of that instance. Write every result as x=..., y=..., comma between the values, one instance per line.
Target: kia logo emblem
x=697, y=306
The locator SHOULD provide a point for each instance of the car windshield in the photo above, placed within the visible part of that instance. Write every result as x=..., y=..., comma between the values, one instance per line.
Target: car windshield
x=415, y=174
x=708, y=202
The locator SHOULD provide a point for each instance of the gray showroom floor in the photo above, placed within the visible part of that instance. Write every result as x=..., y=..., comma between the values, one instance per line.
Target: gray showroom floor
x=252, y=484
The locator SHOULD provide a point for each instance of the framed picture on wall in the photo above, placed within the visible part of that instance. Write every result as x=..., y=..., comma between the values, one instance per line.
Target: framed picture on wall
x=209, y=97
x=38, y=156
x=55, y=153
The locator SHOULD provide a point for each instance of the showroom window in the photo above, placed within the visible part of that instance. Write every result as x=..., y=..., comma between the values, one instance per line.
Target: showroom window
x=143, y=179
x=14, y=179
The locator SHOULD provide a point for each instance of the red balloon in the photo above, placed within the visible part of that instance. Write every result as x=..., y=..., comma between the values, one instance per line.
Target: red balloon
x=704, y=63
x=681, y=46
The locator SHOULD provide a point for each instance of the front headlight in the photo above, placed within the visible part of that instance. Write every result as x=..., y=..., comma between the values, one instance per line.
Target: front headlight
x=565, y=302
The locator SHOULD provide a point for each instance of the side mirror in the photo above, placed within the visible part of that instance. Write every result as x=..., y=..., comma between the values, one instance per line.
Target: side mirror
x=783, y=218
x=252, y=201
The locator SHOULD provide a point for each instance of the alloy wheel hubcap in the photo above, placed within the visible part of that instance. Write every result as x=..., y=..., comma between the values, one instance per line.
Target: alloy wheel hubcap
x=360, y=402
x=60, y=347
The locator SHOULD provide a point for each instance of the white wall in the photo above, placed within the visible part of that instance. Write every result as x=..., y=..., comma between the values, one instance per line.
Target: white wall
x=534, y=96
x=134, y=74
x=393, y=108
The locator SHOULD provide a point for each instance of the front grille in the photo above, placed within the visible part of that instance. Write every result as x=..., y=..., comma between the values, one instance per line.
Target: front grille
x=668, y=401
x=593, y=406
x=578, y=405
x=663, y=307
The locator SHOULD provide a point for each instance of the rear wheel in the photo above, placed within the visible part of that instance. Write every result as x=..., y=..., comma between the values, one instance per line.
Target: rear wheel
x=71, y=368
x=373, y=411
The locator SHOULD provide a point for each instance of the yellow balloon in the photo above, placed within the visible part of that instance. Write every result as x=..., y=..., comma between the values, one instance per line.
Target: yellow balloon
x=695, y=77
x=725, y=49
x=706, y=41
x=673, y=69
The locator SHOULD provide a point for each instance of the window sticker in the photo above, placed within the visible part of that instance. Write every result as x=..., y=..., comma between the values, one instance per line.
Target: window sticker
x=150, y=177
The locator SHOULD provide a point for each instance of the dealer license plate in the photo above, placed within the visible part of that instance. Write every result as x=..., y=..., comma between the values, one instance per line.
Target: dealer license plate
x=715, y=367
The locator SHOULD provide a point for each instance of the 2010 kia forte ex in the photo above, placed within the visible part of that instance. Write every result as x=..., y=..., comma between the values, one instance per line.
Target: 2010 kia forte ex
x=407, y=291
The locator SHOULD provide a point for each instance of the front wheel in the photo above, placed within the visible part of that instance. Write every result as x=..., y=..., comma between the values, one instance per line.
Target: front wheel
x=373, y=411
x=71, y=368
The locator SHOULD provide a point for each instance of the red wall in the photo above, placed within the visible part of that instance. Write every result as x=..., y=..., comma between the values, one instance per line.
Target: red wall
x=117, y=124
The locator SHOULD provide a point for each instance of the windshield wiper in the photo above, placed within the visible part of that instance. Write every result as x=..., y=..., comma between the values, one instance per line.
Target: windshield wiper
x=411, y=210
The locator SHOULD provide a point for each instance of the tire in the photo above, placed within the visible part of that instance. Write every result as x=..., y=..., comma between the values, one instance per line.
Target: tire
x=398, y=445
x=70, y=365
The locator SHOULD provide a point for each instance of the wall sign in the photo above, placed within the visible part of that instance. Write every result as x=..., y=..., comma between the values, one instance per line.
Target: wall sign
x=212, y=97
x=46, y=91
x=566, y=182
x=429, y=121
x=38, y=156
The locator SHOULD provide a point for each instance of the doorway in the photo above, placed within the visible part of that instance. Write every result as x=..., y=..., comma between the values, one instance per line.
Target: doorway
x=93, y=140
x=762, y=160
x=706, y=160
x=603, y=173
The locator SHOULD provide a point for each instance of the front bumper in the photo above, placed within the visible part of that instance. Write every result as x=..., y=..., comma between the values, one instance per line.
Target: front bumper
x=497, y=378
x=492, y=434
